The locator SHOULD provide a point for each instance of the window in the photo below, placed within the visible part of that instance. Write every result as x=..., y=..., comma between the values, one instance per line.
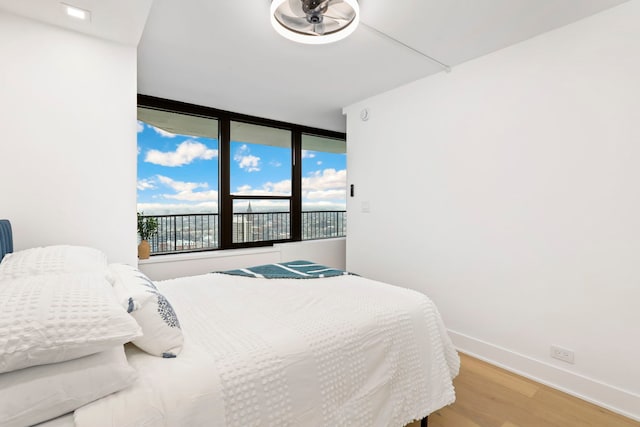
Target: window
x=324, y=182
x=178, y=179
x=260, y=177
x=219, y=180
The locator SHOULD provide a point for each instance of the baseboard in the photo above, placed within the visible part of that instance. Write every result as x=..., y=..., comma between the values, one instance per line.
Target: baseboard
x=604, y=395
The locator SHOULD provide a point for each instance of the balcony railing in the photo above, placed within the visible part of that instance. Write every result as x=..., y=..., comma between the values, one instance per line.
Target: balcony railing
x=200, y=232
x=323, y=224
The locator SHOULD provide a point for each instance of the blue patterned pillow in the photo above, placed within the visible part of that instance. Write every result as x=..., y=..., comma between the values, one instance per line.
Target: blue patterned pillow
x=162, y=335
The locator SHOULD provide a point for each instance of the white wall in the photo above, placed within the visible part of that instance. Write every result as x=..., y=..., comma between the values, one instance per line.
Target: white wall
x=507, y=191
x=329, y=252
x=68, y=147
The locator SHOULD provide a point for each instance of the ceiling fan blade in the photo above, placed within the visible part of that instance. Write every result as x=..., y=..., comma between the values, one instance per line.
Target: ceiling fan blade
x=298, y=24
x=319, y=28
x=337, y=12
x=296, y=7
x=333, y=25
x=337, y=18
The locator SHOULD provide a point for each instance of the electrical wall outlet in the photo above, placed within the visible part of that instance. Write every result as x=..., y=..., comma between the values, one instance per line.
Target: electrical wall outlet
x=562, y=354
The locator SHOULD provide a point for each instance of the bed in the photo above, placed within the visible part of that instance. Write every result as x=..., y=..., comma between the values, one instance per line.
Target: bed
x=334, y=350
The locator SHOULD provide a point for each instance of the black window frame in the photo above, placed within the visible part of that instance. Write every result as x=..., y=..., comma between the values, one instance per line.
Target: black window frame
x=225, y=198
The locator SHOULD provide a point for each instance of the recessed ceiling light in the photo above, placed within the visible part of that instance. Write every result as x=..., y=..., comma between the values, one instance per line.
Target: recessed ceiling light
x=76, y=12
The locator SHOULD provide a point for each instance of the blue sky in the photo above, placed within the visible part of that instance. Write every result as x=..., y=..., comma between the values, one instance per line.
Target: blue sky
x=179, y=174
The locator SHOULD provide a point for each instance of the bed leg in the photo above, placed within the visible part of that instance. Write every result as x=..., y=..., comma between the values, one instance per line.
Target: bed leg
x=424, y=422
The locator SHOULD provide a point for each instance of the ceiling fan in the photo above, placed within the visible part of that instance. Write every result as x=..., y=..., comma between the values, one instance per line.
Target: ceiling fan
x=324, y=21
x=315, y=21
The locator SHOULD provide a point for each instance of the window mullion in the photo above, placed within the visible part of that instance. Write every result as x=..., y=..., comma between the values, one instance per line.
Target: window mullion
x=296, y=186
x=225, y=203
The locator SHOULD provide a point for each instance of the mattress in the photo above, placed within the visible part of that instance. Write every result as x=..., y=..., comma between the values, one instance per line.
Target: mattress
x=337, y=351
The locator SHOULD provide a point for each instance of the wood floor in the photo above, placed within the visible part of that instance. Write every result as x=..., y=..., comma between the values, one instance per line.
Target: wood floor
x=487, y=396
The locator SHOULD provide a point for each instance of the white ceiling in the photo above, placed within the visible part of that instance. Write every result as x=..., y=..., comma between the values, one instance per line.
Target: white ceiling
x=224, y=54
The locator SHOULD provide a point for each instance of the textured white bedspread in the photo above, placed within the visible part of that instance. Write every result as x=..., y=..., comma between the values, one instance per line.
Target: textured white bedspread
x=340, y=351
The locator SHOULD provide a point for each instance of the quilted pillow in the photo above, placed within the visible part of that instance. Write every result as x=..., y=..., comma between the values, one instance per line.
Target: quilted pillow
x=36, y=394
x=161, y=331
x=52, y=259
x=51, y=318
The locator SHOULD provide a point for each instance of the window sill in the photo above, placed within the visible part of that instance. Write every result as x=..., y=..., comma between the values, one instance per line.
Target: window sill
x=158, y=259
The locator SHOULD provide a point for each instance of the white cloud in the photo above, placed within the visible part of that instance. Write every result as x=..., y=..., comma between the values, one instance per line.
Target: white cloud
x=185, y=153
x=146, y=184
x=306, y=154
x=250, y=163
x=246, y=160
x=181, y=185
x=327, y=184
x=177, y=208
x=319, y=162
x=275, y=164
x=324, y=180
x=140, y=126
x=163, y=132
x=185, y=190
x=326, y=194
x=198, y=196
x=282, y=188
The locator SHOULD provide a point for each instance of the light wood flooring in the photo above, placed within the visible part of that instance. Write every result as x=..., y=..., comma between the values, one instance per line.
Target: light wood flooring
x=487, y=396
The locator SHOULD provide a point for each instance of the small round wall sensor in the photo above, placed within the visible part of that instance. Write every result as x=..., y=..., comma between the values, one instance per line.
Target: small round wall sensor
x=364, y=114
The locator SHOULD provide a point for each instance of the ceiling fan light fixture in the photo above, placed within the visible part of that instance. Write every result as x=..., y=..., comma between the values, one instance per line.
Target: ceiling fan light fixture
x=315, y=21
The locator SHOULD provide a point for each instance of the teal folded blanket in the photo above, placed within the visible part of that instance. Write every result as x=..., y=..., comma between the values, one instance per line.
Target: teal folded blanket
x=287, y=270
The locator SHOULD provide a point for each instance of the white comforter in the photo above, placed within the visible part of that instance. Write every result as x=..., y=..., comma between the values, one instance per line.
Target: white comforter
x=341, y=351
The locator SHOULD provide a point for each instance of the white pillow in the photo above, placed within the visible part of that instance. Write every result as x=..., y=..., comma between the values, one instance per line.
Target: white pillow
x=161, y=331
x=52, y=259
x=56, y=317
x=36, y=394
